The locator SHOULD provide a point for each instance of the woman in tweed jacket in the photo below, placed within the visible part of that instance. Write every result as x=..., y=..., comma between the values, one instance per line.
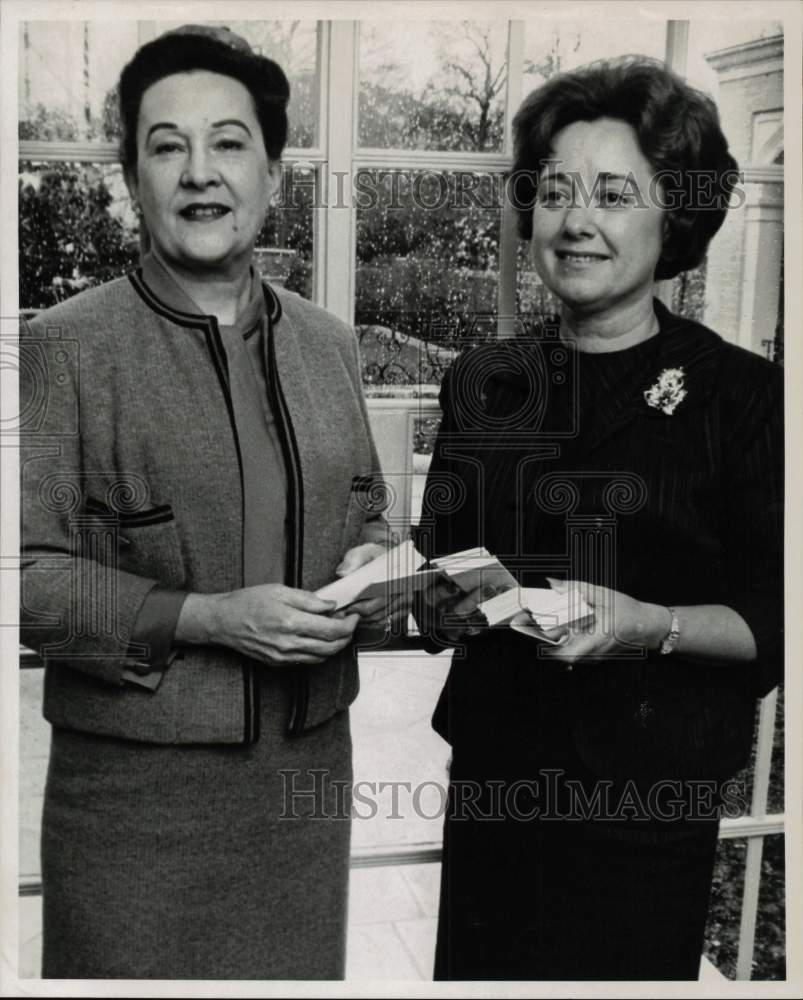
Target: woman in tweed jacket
x=201, y=461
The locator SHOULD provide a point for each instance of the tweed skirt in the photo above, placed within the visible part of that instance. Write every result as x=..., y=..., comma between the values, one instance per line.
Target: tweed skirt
x=199, y=862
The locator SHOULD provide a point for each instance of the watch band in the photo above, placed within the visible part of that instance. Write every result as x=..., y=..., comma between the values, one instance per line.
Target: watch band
x=671, y=639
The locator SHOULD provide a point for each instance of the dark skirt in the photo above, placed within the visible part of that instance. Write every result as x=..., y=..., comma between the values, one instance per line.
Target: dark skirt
x=550, y=874
x=199, y=862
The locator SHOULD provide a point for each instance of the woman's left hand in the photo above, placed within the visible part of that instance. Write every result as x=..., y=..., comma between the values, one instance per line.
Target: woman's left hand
x=619, y=622
x=377, y=610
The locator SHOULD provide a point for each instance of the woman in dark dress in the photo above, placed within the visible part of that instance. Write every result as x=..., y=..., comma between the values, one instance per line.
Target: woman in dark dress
x=635, y=457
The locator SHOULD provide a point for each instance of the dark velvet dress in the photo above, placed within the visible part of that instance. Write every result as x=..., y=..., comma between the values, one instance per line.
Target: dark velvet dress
x=583, y=810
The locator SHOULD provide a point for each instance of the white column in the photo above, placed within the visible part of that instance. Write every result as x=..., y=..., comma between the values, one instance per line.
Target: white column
x=677, y=46
x=761, y=271
x=335, y=229
x=744, y=259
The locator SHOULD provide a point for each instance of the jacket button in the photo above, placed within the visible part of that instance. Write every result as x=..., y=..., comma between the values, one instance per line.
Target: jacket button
x=141, y=668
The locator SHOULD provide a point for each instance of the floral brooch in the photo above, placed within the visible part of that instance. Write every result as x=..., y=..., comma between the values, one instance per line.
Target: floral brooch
x=667, y=392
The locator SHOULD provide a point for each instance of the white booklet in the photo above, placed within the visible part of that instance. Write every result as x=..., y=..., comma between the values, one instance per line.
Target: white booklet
x=399, y=571
x=395, y=572
x=533, y=610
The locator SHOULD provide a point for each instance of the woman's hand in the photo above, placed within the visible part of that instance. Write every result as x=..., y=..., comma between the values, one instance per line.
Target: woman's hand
x=271, y=623
x=377, y=610
x=618, y=622
x=447, y=614
x=713, y=632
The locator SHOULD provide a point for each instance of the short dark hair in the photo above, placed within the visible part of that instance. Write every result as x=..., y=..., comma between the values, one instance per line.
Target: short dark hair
x=183, y=51
x=678, y=131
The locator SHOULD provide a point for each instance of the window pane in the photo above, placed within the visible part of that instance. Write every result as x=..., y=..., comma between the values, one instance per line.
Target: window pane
x=68, y=73
x=284, y=247
x=294, y=46
x=77, y=229
x=433, y=85
x=554, y=45
x=724, y=910
x=534, y=302
x=427, y=268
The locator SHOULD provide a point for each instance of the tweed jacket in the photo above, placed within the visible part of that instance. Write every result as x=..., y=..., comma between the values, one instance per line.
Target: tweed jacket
x=677, y=508
x=131, y=478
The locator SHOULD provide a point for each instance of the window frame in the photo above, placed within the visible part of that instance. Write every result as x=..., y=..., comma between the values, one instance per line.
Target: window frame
x=338, y=158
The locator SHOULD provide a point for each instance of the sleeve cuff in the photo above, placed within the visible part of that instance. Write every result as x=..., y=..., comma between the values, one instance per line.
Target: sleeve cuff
x=150, y=681
x=764, y=618
x=151, y=649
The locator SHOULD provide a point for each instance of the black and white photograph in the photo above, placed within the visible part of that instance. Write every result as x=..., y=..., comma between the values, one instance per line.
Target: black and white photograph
x=400, y=542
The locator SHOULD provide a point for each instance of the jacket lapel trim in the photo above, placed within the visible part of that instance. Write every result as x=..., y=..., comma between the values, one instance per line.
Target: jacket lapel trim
x=295, y=499
x=295, y=485
x=194, y=320
x=157, y=305
x=273, y=303
x=208, y=324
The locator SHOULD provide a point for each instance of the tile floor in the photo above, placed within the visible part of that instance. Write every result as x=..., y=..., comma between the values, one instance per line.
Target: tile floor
x=392, y=919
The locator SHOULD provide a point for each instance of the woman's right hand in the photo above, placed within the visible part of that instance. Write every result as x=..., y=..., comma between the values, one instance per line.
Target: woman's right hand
x=272, y=623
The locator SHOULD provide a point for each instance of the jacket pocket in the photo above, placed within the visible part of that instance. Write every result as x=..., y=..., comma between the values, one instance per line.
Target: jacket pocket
x=363, y=497
x=148, y=541
x=138, y=518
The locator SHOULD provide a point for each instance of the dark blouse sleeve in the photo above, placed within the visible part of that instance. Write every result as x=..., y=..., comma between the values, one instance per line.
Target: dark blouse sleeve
x=754, y=509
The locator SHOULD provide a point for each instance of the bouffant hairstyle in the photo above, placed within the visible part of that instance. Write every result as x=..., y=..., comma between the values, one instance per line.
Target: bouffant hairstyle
x=197, y=47
x=678, y=131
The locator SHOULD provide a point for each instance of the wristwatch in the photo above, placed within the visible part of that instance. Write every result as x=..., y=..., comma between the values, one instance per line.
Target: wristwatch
x=671, y=639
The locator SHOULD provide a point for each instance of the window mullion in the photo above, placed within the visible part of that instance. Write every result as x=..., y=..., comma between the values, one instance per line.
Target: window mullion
x=335, y=223
x=508, y=237
x=68, y=152
x=429, y=159
x=677, y=47
x=321, y=140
